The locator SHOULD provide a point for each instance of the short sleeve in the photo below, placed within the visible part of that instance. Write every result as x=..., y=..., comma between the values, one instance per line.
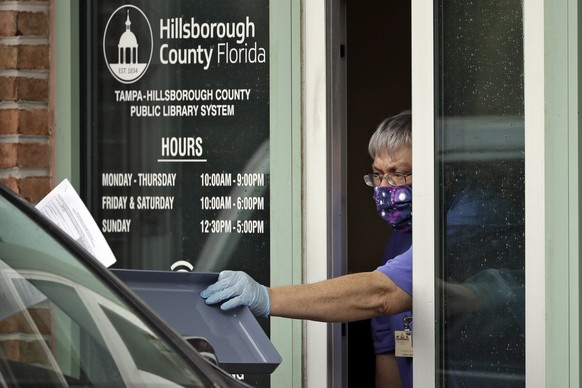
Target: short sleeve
x=399, y=270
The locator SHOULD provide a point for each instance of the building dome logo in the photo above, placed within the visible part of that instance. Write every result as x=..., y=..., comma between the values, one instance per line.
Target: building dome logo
x=128, y=44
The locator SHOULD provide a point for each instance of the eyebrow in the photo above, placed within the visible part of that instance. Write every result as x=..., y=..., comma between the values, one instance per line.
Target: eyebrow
x=394, y=168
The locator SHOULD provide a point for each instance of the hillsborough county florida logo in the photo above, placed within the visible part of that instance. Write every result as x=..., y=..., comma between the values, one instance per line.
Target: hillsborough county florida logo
x=128, y=44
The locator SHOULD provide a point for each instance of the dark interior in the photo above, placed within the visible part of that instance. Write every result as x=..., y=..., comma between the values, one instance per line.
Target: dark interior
x=378, y=52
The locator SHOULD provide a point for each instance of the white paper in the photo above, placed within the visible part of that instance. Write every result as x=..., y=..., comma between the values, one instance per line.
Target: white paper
x=64, y=207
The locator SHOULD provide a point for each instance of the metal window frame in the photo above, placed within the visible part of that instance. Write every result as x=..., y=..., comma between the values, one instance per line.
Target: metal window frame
x=423, y=216
x=552, y=202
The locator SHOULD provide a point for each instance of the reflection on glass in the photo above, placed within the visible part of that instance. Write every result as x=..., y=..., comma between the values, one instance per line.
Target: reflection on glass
x=480, y=158
x=61, y=325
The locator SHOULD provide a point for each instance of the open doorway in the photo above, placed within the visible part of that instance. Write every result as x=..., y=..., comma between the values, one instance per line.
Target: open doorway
x=378, y=85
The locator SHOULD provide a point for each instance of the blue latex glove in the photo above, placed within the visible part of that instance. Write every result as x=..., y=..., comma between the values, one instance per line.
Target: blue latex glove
x=238, y=289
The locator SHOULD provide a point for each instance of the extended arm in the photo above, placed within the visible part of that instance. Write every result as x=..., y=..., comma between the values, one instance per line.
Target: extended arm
x=346, y=298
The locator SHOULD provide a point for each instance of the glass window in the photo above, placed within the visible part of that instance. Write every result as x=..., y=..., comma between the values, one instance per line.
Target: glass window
x=177, y=173
x=480, y=176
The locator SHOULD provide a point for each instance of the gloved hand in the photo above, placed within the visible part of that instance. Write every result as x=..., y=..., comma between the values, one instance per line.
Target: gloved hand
x=239, y=289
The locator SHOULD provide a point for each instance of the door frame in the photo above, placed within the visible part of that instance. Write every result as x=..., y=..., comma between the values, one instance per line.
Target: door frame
x=552, y=195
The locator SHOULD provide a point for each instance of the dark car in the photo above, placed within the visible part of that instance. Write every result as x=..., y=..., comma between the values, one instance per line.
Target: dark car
x=65, y=320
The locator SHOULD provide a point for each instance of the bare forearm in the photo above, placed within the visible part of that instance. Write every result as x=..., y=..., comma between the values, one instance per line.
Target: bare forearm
x=346, y=298
x=387, y=372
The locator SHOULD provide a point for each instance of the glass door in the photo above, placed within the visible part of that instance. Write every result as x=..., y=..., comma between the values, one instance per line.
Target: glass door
x=479, y=160
x=492, y=84
x=474, y=120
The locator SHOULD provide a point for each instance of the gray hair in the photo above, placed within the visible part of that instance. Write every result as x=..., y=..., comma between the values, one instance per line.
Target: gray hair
x=392, y=134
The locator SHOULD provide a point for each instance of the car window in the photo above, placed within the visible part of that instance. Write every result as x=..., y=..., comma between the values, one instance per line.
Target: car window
x=60, y=324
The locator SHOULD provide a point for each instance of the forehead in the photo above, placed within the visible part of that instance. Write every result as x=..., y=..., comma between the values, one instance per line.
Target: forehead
x=398, y=159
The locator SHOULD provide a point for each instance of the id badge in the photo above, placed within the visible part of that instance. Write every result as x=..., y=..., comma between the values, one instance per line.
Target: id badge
x=403, y=340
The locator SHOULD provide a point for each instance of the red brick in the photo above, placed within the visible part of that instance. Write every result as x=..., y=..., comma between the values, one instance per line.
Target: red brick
x=33, y=57
x=33, y=89
x=33, y=352
x=8, y=155
x=24, y=121
x=32, y=189
x=11, y=349
x=11, y=183
x=35, y=188
x=12, y=324
x=8, y=57
x=33, y=155
x=7, y=23
x=25, y=155
x=8, y=88
x=42, y=319
x=9, y=121
x=32, y=23
x=34, y=122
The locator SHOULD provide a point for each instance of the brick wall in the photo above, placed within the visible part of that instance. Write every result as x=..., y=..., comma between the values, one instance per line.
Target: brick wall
x=25, y=335
x=24, y=144
x=25, y=157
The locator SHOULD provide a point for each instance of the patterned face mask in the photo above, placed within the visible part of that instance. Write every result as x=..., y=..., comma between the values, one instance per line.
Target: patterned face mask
x=394, y=205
